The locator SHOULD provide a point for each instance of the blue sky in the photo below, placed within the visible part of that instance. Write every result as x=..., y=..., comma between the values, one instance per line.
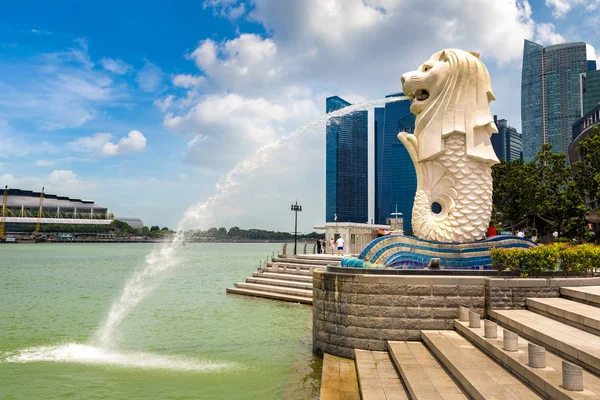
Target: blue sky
x=145, y=106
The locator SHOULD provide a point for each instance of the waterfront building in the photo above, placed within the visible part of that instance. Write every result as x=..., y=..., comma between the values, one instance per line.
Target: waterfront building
x=507, y=143
x=590, y=91
x=550, y=94
x=395, y=176
x=346, y=170
x=23, y=211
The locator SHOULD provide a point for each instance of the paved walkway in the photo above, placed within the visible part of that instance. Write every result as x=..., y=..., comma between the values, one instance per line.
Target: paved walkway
x=339, y=380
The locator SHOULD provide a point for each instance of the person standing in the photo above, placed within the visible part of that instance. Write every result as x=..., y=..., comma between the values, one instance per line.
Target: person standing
x=340, y=246
x=318, y=246
x=322, y=244
x=332, y=245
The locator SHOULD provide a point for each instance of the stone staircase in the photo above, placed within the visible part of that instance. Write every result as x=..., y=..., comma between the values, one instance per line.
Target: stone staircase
x=471, y=361
x=286, y=278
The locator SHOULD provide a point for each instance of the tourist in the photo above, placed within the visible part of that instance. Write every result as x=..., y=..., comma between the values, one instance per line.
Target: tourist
x=340, y=246
x=318, y=246
x=520, y=234
x=322, y=244
x=332, y=245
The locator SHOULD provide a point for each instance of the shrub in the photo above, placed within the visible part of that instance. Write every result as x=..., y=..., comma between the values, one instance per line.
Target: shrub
x=507, y=258
x=541, y=258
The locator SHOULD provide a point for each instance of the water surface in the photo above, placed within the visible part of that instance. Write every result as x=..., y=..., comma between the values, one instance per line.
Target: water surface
x=186, y=340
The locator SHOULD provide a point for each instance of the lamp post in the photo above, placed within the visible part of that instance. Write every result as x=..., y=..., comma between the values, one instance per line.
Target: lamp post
x=395, y=214
x=296, y=208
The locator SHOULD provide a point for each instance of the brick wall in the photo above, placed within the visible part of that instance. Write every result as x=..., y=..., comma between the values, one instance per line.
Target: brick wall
x=364, y=311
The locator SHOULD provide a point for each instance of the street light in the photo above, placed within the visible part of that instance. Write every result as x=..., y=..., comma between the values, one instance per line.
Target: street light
x=395, y=214
x=296, y=208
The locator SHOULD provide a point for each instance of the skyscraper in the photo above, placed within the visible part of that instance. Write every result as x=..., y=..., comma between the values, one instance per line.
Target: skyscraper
x=395, y=177
x=346, y=170
x=550, y=94
x=507, y=143
x=590, y=91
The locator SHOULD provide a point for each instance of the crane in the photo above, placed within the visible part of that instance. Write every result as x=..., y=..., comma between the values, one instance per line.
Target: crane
x=3, y=218
x=37, y=224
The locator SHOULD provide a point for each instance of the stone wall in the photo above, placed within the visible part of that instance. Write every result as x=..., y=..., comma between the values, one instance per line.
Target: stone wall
x=364, y=311
x=510, y=294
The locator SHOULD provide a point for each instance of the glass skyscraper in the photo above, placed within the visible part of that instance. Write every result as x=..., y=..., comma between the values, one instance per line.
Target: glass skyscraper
x=590, y=91
x=507, y=143
x=550, y=94
x=346, y=165
x=395, y=176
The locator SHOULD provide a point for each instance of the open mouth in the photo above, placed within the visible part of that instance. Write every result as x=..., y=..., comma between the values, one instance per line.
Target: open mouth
x=421, y=95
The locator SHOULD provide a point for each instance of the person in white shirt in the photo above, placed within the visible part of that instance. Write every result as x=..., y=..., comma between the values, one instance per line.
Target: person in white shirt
x=520, y=234
x=340, y=246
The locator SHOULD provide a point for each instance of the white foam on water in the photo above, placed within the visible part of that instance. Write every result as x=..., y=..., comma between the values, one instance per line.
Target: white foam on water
x=163, y=257
x=85, y=354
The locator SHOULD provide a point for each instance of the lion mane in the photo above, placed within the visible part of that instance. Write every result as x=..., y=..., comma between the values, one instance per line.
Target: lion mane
x=462, y=106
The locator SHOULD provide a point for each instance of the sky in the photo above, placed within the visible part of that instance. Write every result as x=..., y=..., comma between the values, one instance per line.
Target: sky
x=144, y=106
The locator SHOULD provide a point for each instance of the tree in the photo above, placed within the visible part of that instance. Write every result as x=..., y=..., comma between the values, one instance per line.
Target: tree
x=587, y=173
x=541, y=192
x=121, y=228
x=145, y=231
x=234, y=232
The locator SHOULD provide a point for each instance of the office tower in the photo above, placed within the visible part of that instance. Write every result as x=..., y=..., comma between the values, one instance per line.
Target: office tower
x=550, y=94
x=507, y=143
x=590, y=91
x=395, y=177
x=346, y=170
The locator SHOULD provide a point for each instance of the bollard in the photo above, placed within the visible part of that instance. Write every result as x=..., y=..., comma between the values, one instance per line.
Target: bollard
x=572, y=376
x=510, y=341
x=474, y=320
x=536, y=356
x=490, y=329
x=463, y=314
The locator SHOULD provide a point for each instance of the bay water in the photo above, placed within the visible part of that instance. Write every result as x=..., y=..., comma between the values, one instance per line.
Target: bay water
x=186, y=340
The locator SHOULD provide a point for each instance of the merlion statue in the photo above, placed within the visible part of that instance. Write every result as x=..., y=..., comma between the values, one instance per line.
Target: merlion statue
x=451, y=146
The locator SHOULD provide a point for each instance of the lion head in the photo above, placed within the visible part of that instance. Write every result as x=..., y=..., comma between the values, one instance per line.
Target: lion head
x=451, y=92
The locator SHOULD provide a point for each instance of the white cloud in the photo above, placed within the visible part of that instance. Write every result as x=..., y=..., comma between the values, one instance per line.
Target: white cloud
x=545, y=34
x=44, y=163
x=57, y=90
x=41, y=32
x=227, y=8
x=590, y=52
x=188, y=81
x=164, y=104
x=560, y=8
x=90, y=144
x=101, y=144
x=135, y=141
x=60, y=181
x=150, y=77
x=116, y=66
x=247, y=60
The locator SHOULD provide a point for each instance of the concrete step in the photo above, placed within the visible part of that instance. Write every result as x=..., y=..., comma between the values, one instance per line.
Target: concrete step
x=320, y=257
x=280, y=282
x=275, y=289
x=339, y=379
x=307, y=261
x=285, y=277
x=574, y=313
x=580, y=347
x=270, y=295
x=480, y=377
x=422, y=374
x=377, y=377
x=544, y=380
x=586, y=294
x=294, y=269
